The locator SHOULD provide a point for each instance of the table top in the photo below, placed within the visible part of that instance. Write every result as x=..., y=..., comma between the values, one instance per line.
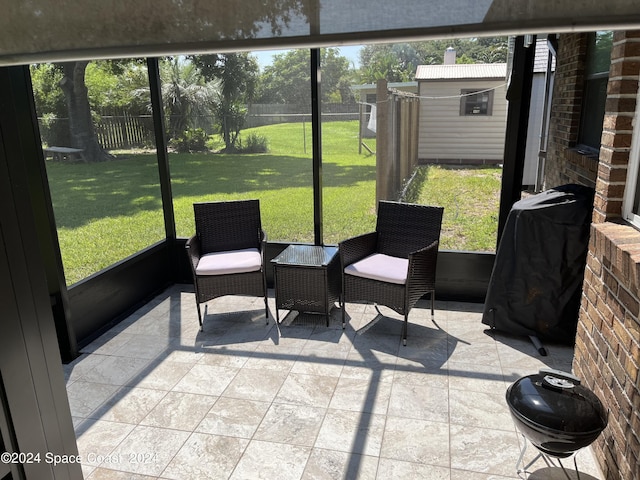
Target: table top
x=306, y=255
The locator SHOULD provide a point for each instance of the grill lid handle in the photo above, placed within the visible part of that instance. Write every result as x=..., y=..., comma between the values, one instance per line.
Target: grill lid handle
x=557, y=379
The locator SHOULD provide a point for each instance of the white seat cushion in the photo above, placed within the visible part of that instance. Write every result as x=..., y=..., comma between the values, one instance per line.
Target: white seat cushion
x=378, y=266
x=224, y=263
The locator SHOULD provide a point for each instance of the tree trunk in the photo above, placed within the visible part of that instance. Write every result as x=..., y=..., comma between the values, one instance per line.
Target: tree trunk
x=83, y=135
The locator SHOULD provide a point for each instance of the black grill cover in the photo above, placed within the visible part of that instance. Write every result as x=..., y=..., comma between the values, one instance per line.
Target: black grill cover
x=536, y=283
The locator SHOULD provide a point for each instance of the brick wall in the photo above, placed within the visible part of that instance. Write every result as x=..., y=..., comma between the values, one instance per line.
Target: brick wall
x=607, y=355
x=564, y=163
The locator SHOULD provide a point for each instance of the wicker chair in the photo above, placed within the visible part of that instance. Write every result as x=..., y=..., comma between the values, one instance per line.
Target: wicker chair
x=395, y=265
x=227, y=252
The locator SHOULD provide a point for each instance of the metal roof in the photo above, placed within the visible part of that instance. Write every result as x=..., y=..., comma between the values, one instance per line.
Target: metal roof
x=461, y=71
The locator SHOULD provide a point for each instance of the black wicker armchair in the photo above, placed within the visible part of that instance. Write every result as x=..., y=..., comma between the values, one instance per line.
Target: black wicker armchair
x=394, y=266
x=227, y=252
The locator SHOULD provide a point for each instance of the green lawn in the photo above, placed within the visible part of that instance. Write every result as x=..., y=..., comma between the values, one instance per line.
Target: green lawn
x=471, y=197
x=108, y=211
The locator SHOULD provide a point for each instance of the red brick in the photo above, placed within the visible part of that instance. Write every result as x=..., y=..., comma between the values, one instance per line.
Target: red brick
x=621, y=86
x=616, y=139
x=629, y=301
x=618, y=122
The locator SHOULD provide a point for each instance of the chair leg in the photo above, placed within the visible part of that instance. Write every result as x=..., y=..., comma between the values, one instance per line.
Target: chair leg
x=405, y=327
x=343, y=311
x=433, y=296
x=266, y=309
x=199, y=317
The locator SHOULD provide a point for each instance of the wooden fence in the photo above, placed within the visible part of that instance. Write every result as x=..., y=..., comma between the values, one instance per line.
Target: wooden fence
x=396, y=140
x=125, y=131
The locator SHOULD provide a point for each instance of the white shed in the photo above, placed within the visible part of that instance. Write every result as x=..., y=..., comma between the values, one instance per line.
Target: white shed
x=463, y=113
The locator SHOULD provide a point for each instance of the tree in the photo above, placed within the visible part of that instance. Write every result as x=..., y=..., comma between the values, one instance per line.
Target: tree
x=287, y=80
x=237, y=74
x=50, y=103
x=399, y=62
x=274, y=14
x=81, y=129
x=185, y=94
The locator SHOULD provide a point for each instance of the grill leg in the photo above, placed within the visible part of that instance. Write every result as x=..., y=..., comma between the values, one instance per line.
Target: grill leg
x=522, y=472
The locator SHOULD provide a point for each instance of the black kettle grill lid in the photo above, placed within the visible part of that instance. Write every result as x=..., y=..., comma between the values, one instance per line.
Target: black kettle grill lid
x=555, y=400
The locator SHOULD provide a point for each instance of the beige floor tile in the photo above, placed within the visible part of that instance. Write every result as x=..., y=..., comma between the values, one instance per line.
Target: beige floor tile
x=129, y=405
x=206, y=456
x=144, y=346
x=309, y=390
x=419, y=402
x=86, y=397
x=389, y=469
x=81, y=365
x=233, y=417
x=466, y=475
x=118, y=371
x=162, y=375
x=361, y=395
x=206, y=380
x=482, y=353
x=426, y=376
x=98, y=440
x=319, y=365
x=351, y=432
x=292, y=424
x=427, y=443
x=179, y=411
x=245, y=383
x=479, y=409
x=483, y=450
x=267, y=461
x=108, y=342
x=471, y=377
x=148, y=450
x=110, y=474
x=333, y=465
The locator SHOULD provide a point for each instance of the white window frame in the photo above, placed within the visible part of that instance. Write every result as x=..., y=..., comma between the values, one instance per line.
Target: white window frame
x=632, y=184
x=466, y=93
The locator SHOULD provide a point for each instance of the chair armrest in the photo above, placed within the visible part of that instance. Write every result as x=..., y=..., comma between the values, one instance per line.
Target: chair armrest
x=422, y=266
x=357, y=248
x=193, y=250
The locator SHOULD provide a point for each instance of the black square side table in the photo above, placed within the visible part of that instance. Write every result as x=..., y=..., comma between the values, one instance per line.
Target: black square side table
x=307, y=279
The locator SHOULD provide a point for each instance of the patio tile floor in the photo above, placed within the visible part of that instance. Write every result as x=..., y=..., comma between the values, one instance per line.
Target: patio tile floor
x=155, y=398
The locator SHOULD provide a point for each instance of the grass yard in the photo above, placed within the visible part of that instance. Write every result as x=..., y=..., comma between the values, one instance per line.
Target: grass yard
x=108, y=211
x=471, y=197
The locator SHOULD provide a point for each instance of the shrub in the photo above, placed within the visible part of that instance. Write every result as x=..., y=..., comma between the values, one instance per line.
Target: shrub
x=191, y=140
x=254, y=143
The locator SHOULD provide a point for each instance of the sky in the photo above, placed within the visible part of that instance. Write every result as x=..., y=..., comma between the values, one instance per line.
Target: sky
x=350, y=51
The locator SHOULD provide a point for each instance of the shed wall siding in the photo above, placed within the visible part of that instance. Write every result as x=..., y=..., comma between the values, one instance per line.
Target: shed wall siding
x=446, y=135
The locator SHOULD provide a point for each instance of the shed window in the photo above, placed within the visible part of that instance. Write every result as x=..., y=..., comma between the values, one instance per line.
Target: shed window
x=476, y=102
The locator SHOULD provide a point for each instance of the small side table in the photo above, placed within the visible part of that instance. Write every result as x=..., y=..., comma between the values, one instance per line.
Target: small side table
x=307, y=279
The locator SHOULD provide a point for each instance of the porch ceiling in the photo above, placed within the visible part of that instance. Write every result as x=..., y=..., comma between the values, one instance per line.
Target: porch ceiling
x=44, y=30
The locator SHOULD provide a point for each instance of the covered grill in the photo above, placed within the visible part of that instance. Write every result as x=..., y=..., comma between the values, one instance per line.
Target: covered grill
x=555, y=413
x=535, y=286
